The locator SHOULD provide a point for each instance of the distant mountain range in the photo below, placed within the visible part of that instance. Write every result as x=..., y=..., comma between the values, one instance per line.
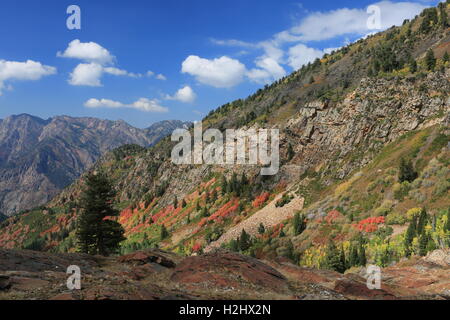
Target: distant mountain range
x=40, y=157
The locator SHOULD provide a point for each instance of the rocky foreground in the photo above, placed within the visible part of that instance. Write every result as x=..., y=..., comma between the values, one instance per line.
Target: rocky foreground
x=155, y=275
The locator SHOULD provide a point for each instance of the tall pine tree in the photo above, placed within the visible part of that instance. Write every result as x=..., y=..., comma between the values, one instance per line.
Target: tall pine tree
x=96, y=234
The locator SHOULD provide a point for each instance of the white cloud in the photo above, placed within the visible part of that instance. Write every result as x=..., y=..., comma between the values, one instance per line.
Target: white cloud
x=300, y=55
x=89, y=74
x=222, y=72
x=185, y=94
x=143, y=104
x=327, y=25
x=161, y=77
x=29, y=70
x=86, y=74
x=119, y=72
x=317, y=26
x=87, y=51
x=269, y=71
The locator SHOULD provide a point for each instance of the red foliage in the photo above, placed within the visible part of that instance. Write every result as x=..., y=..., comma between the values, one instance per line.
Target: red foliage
x=260, y=200
x=332, y=216
x=369, y=225
x=197, y=247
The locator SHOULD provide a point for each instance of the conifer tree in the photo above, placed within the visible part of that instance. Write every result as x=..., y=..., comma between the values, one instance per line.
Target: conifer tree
x=410, y=234
x=423, y=243
x=354, y=258
x=430, y=60
x=164, y=233
x=413, y=66
x=446, y=57
x=290, y=152
x=343, y=261
x=261, y=229
x=406, y=171
x=244, y=241
x=299, y=223
x=422, y=222
x=333, y=258
x=362, y=255
x=95, y=233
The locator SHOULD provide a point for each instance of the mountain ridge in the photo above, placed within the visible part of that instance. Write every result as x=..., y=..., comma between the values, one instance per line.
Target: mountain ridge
x=31, y=143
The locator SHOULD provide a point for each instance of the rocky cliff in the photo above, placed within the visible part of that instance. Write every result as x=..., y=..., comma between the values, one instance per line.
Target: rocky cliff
x=38, y=158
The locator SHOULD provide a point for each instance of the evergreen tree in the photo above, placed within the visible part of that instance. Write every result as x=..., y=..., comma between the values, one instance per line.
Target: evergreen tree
x=362, y=260
x=430, y=60
x=410, y=234
x=423, y=219
x=446, y=57
x=261, y=229
x=423, y=243
x=333, y=258
x=343, y=261
x=354, y=257
x=244, y=241
x=224, y=185
x=290, y=152
x=444, y=16
x=413, y=66
x=175, y=202
x=406, y=171
x=234, y=245
x=164, y=234
x=299, y=223
x=95, y=234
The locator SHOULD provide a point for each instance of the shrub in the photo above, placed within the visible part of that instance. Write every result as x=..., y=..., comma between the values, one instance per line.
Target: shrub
x=395, y=218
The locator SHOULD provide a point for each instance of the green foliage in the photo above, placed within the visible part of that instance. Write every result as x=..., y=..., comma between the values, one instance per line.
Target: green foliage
x=244, y=241
x=446, y=57
x=261, y=229
x=430, y=19
x=335, y=259
x=164, y=234
x=95, y=234
x=290, y=152
x=406, y=171
x=299, y=223
x=285, y=199
x=430, y=60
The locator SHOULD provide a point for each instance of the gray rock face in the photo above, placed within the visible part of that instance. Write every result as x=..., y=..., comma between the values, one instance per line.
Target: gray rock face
x=40, y=157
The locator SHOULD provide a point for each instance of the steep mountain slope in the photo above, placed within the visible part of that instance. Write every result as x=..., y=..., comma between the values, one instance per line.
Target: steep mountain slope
x=40, y=157
x=345, y=123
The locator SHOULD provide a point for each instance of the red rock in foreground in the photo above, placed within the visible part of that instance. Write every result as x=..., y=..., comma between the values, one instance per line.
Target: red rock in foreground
x=156, y=275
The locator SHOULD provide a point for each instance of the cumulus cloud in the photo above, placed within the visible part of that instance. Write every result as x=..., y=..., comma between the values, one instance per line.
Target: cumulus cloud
x=143, y=104
x=318, y=26
x=86, y=74
x=96, y=62
x=185, y=95
x=221, y=72
x=87, y=51
x=327, y=25
x=28, y=70
x=301, y=54
x=269, y=70
x=120, y=72
x=161, y=77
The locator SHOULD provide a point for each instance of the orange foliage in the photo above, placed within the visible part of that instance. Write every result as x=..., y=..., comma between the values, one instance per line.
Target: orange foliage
x=260, y=200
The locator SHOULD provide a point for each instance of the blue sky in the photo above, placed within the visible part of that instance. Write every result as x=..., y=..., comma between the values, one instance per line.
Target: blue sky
x=146, y=61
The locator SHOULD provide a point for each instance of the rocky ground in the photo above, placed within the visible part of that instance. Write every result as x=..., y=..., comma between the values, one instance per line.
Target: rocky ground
x=158, y=275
